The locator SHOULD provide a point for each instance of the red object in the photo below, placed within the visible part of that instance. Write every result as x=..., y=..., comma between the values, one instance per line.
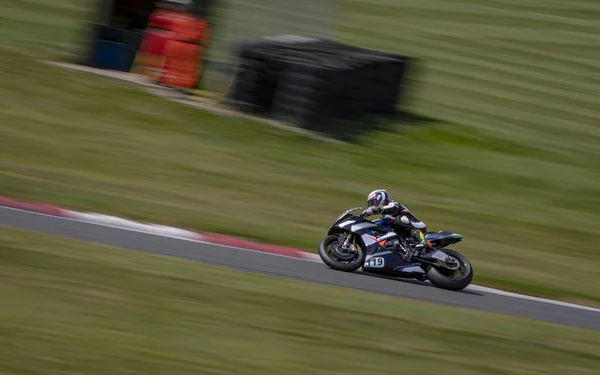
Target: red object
x=154, y=42
x=183, y=52
x=150, y=58
x=162, y=19
x=172, y=48
x=34, y=207
x=181, y=67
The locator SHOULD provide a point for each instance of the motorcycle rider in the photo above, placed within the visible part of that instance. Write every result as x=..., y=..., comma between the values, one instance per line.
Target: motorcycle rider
x=401, y=219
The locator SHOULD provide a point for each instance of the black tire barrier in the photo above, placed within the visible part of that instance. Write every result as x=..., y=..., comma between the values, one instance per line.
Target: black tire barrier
x=308, y=82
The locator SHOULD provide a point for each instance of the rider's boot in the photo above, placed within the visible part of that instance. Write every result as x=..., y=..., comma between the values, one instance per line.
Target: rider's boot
x=423, y=245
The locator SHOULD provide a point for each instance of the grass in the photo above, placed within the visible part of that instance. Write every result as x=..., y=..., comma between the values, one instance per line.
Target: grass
x=74, y=307
x=512, y=165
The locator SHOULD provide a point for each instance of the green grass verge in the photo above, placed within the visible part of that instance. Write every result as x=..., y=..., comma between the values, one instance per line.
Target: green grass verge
x=74, y=307
x=518, y=179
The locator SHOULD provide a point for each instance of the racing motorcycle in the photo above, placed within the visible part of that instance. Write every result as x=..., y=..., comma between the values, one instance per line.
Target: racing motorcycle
x=353, y=242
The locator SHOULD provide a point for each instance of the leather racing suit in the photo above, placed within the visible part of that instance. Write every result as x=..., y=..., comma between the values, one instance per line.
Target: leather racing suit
x=402, y=221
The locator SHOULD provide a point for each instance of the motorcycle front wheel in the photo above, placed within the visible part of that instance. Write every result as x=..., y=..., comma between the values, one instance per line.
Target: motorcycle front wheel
x=451, y=279
x=331, y=260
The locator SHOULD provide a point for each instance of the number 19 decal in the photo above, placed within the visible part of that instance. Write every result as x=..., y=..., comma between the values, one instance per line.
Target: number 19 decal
x=375, y=263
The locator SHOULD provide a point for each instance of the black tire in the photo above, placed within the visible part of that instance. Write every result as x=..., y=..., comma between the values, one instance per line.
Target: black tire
x=338, y=265
x=437, y=277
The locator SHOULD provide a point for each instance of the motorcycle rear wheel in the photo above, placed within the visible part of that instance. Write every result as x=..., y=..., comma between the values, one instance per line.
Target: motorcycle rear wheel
x=330, y=260
x=445, y=279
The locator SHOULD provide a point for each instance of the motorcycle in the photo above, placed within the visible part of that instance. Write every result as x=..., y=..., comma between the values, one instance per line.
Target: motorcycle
x=353, y=242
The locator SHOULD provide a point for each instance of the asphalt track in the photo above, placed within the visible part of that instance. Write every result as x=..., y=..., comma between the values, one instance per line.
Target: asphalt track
x=298, y=269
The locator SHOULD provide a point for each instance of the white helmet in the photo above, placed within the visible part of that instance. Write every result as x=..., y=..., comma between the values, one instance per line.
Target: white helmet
x=378, y=198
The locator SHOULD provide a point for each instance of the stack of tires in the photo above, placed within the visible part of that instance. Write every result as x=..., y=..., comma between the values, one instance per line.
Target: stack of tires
x=308, y=81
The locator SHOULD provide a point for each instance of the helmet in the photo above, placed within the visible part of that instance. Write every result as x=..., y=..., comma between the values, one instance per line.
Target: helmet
x=377, y=198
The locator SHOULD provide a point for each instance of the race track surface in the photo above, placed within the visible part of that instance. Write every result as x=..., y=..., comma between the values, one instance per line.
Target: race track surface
x=296, y=269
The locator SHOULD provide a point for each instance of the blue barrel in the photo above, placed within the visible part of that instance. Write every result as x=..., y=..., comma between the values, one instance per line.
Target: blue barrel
x=110, y=55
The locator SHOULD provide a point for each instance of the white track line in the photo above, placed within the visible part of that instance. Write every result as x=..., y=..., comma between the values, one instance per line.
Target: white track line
x=531, y=298
x=170, y=232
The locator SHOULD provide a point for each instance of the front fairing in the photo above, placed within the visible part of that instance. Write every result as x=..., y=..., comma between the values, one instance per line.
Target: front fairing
x=343, y=217
x=344, y=221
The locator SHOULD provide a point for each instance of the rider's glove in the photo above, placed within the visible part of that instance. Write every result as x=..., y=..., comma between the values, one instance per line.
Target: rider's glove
x=370, y=211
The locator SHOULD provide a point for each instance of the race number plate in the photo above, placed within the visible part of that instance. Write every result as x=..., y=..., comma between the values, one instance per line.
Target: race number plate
x=375, y=263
